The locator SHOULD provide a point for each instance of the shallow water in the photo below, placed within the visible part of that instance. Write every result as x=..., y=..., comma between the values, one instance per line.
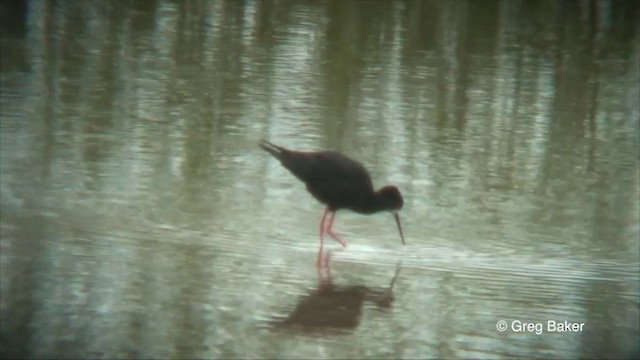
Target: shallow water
x=140, y=219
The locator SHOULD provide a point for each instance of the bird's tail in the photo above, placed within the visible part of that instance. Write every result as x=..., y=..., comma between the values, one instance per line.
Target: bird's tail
x=272, y=149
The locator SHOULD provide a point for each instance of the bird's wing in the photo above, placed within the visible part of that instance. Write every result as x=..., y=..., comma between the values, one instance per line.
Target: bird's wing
x=337, y=179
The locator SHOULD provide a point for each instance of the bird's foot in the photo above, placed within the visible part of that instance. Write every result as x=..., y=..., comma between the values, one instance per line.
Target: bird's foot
x=323, y=261
x=337, y=238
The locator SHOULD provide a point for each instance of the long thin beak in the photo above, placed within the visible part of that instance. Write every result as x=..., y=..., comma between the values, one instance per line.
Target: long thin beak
x=397, y=217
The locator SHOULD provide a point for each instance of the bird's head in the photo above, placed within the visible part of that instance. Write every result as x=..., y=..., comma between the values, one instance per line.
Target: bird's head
x=390, y=199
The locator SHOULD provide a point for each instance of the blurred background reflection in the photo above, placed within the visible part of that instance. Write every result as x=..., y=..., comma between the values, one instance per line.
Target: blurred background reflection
x=140, y=219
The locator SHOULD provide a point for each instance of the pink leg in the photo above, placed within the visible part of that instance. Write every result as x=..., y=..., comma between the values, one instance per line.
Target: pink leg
x=342, y=242
x=324, y=271
x=322, y=230
x=322, y=225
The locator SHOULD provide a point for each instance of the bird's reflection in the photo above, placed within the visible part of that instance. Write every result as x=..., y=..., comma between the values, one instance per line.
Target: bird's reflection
x=332, y=307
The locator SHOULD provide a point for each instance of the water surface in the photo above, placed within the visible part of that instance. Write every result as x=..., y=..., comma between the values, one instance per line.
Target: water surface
x=140, y=219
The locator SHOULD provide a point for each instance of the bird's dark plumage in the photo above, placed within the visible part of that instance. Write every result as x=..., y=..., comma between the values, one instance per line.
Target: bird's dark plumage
x=337, y=181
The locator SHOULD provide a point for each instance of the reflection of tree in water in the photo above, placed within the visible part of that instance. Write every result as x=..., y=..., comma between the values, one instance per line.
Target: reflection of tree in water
x=333, y=307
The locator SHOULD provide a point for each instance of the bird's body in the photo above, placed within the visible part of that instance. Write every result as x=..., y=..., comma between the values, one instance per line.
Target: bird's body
x=339, y=182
